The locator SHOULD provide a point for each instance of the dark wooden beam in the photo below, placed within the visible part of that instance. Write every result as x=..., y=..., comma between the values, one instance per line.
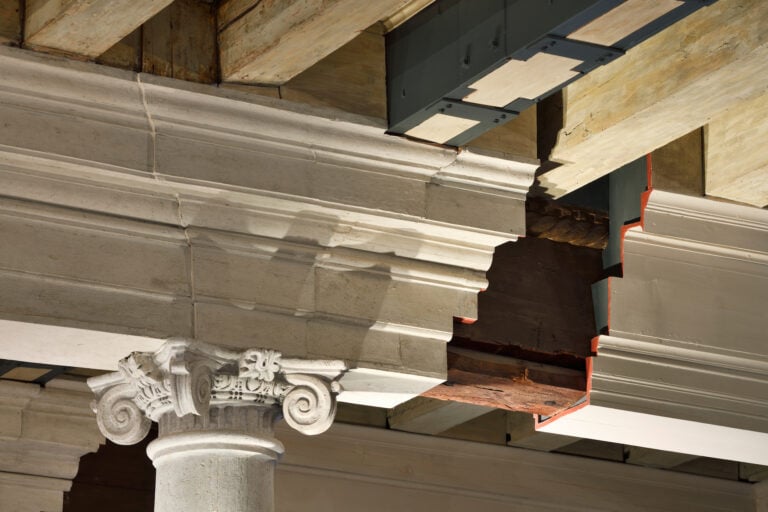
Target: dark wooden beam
x=563, y=223
x=539, y=300
x=269, y=43
x=511, y=384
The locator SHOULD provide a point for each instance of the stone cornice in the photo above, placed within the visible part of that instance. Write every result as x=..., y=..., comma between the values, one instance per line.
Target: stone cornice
x=251, y=215
x=685, y=383
x=195, y=135
x=684, y=367
x=707, y=221
x=185, y=377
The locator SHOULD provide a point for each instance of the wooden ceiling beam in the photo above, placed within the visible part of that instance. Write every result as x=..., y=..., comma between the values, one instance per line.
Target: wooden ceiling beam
x=269, y=43
x=662, y=89
x=506, y=383
x=423, y=415
x=736, y=168
x=84, y=27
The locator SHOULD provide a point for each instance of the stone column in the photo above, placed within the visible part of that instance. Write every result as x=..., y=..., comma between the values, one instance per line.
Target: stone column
x=216, y=410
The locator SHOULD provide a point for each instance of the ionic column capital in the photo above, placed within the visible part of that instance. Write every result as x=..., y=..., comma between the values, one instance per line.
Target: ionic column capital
x=186, y=377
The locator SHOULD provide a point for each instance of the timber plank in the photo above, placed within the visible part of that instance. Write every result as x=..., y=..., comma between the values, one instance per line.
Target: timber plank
x=230, y=10
x=85, y=27
x=275, y=41
x=352, y=78
x=679, y=166
x=514, y=140
x=180, y=42
x=547, y=308
x=736, y=163
x=126, y=54
x=510, y=384
x=10, y=22
x=662, y=89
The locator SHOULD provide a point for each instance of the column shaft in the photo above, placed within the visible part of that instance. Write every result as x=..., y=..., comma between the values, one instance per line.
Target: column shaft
x=222, y=461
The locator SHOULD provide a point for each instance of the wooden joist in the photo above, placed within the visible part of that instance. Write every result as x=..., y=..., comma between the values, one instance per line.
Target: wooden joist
x=662, y=89
x=430, y=416
x=546, y=309
x=10, y=22
x=736, y=163
x=679, y=166
x=511, y=384
x=270, y=42
x=84, y=27
x=192, y=22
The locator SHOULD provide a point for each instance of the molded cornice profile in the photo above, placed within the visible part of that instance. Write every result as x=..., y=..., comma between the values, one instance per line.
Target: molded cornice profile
x=163, y=129
x=186, y=377
x=685, y=367
x=258, y=221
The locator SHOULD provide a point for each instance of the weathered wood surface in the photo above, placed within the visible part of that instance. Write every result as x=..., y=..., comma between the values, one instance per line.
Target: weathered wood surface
x=180, y=42
x=547, y=307
x=563, y=223
x=736, y=158
x=84, y=27
x=271, y=42
x=10, y=22
x=623, y=20
x=352, y=78
x=126, y=53
x=679, y=166
x=514, y=140
x=510, y=384
x=664, y=88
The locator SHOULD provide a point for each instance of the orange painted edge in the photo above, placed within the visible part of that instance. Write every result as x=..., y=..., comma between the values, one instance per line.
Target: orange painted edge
x=595, y=342
x=537, y=423
x=644, y=197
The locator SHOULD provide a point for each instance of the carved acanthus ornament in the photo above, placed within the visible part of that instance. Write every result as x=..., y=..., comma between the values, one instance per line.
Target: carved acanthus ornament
x=185, y=377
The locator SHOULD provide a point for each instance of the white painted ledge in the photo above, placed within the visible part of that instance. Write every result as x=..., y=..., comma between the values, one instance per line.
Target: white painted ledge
x=685, y=367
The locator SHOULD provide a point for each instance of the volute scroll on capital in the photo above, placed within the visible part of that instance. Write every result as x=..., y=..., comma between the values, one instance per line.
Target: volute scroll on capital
x=185, y=377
